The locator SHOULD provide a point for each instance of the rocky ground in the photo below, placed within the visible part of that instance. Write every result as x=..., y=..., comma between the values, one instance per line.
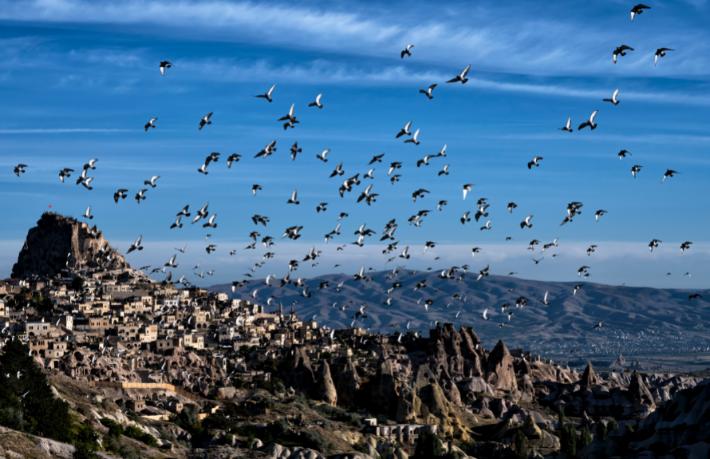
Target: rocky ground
x=483, y=403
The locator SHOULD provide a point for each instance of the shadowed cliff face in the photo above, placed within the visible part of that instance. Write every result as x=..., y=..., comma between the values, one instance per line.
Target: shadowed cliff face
x=59, y=242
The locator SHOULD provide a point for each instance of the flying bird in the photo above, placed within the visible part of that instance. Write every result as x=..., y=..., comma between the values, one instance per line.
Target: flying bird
x=323, y=155
x=568, y=125
x=535, y=162
x=654, y=244
x=461, y=77
x=268, y=95
x=406, y=52
x=527, y=222
x=121, y=193
x=669, y=173
x=591, y=123
x=152, y=182
x=210, y=223
x=140, y=196
x=406, y=130
x=483, y=273
x=660, y=53
x=233, y=158
x=429, y=92
x=65, y=173
x=414, y=139
x=295, y=150
x=317, y=102
x=614, y=99
x=466, y=189
x=620, y=51
x=638, y=9
x=294, y=198
x=164, y=66
x=150, y=124
x=290, y=118
x=136, y=245
x=268, y=150
x=19, y=169
x=205, y=120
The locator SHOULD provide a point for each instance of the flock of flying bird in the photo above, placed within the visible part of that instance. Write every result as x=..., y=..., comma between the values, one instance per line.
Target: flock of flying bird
x=365, y=195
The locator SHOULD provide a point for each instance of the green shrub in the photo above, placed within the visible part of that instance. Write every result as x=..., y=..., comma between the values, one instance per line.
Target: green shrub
x=26, y=399
x=138, y=434
x=85, y=442
x=585, y=437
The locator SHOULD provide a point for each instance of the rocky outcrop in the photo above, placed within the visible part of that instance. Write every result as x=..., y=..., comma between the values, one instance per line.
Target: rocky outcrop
x=450, y=381
x=59, y=243
x=456, y=353
x=500, y=373
x=677, y=428
x=384, y=391
x=297, y=370
x=16, y=444
x=326, y=387
x=589, y=378
x=640, y=395
x=347, y=381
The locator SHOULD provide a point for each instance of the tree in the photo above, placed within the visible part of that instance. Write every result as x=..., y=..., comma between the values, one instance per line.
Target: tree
x=77, y=283
x=601, y=430
x=520, y=444
x=612, y=426
x=568, y=441
x=561, y=416
x=188, y=420
x=26, y=399
x=85, y=442
x=41, y=303
x=428, y=446
x=585, y=437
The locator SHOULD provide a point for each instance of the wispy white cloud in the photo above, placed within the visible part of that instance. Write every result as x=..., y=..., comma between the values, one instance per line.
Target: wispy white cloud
x=331, y=72
x=60, y=130
x=650, y=138
x=523, y=42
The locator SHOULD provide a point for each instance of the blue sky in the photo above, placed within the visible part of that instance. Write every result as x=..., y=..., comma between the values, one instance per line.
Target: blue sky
x=78, y=80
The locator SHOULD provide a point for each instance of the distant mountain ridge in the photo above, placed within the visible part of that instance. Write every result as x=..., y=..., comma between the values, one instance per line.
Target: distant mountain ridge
x=634, y=319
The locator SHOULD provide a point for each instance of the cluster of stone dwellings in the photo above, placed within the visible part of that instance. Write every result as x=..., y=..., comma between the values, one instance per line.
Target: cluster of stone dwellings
x=121, y=326
x=401, y=433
